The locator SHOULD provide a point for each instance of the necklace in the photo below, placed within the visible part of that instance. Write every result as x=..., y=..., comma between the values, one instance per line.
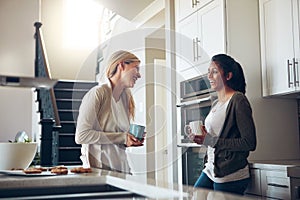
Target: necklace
x=218, y=106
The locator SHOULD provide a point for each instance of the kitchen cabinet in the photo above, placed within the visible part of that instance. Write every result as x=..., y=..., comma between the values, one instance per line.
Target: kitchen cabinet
x=199, y=36
x=271, y=179
x=279, y=24
x=187, y=7
x=269, y=183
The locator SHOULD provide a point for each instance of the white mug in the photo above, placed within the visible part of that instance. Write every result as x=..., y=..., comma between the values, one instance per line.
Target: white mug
x=194, y=127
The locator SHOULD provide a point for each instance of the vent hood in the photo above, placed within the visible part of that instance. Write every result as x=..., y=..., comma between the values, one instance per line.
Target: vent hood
x=31, y=82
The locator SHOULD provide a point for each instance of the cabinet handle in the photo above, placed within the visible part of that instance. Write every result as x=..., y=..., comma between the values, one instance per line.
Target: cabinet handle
x=296, y=78
x=194, y=3
x=197, y=46
x=194, y=54
x=289, y=75
x=277, y=185
x=297, y=192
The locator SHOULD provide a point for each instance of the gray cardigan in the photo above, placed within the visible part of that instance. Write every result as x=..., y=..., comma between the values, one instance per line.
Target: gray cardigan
x=237, y=137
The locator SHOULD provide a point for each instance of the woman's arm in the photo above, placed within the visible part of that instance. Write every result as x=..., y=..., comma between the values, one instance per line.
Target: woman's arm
x=88, y=128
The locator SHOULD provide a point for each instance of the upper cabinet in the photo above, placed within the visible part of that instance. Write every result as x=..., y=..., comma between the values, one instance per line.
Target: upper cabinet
x=187, y=7
x=199, y=36
x=279, y=25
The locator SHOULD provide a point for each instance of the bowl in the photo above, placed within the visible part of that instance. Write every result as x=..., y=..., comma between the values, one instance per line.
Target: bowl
x=16, y=155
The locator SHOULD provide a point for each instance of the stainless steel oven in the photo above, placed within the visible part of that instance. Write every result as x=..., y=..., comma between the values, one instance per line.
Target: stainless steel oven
x=195, y=103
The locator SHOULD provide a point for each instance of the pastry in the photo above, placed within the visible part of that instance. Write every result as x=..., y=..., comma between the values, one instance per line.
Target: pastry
x=81, y=170
x=59, y=170
x=32, y=171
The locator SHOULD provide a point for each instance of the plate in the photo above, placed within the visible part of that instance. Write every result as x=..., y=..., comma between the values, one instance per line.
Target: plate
x=21, y=173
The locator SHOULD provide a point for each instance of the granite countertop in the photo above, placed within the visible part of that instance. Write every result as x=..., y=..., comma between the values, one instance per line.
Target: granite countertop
x=133, y=183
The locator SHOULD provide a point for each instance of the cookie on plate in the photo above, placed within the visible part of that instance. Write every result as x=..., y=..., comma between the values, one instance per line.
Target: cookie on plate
x=81, y=170
x=32, y=171
x=59, y=170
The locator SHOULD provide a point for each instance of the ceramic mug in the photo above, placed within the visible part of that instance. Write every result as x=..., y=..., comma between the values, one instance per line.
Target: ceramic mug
x=137, y=130
x=194, y=127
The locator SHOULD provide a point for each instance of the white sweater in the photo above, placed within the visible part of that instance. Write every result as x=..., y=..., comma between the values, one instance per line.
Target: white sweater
x=101, y=129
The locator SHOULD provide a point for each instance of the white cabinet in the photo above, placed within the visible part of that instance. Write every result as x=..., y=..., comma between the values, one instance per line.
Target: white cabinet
x=279, y=23
x=270, y=181
x=187, y=7
x=199, y=36
x=254, y=186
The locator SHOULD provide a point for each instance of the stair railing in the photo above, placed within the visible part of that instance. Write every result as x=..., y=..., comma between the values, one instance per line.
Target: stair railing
x=42, y=70
x=50, y=120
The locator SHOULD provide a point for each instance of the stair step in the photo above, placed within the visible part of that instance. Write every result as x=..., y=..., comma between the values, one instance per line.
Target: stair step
x=68, y=104
x=68, y=115
x=67, y=127
x=70, y=163
x=67, y=141
x=69, y=155
x=70, y=94
x=75, y=84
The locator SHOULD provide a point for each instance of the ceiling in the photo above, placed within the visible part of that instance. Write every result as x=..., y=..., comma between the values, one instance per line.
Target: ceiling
x=127, y=9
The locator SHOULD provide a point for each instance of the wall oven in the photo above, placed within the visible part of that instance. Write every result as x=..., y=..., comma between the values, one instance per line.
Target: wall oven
x=195, y=104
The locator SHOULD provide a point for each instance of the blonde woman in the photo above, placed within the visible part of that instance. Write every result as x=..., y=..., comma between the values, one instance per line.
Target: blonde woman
x=105, y=114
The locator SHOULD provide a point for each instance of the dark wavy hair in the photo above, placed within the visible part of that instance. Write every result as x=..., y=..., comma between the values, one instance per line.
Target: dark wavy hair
x=228, y=64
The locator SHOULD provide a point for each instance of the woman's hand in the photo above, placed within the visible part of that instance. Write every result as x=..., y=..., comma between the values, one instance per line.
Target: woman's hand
x=199, y=139
x=133, y=141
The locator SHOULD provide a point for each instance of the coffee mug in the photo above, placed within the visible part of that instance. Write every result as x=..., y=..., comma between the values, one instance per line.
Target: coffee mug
x=137, y=131
x=194, y=127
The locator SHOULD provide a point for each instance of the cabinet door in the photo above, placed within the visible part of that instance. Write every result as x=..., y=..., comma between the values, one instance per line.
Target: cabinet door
x=200, y=36
x=187, y=32
x=275, y=184
x=296, y=11
x=187, y=7
x=276, y=21
x=254, y=186
x=212, y=31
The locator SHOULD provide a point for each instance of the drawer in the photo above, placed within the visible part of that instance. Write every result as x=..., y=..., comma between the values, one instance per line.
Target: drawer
x=275, y=184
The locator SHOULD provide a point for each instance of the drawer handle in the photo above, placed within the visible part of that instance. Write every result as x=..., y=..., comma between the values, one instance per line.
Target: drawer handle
x=297, y=192
x=277, y=185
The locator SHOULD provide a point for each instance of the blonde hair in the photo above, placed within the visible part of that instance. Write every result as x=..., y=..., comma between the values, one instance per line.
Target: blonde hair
x=112, y=64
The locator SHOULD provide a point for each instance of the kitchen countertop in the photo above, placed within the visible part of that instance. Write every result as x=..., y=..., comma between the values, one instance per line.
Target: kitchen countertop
x=132, y=183
x=274, y=164
x=294, y=172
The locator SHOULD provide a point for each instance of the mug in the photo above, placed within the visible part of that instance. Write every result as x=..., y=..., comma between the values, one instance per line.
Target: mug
x=194, y=127
x=137, y=131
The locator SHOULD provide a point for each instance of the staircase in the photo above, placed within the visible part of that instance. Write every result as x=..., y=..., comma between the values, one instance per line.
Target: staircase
x=68, y=96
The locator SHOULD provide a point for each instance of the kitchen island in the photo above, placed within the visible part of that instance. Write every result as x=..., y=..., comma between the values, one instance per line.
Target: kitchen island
x=98, y=184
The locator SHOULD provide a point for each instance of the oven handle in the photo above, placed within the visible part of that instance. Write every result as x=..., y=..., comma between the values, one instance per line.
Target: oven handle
x=193, y=102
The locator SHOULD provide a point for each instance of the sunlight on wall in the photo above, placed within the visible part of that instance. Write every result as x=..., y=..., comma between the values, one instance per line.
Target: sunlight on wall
x=81, y=24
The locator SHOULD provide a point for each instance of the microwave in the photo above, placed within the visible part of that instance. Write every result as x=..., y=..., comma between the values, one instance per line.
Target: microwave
x=195, y=87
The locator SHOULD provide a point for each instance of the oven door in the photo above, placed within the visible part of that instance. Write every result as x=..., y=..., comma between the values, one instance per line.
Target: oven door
x=193, y=110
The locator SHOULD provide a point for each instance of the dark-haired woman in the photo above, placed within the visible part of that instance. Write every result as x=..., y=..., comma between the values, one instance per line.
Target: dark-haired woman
x=229, y=131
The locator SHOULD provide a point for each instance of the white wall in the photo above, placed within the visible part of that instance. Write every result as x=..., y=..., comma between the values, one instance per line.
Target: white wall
x=65, y=62
x=16, y=59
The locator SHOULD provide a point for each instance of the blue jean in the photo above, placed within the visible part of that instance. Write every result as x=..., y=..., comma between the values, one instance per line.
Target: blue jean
x=236, y=187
